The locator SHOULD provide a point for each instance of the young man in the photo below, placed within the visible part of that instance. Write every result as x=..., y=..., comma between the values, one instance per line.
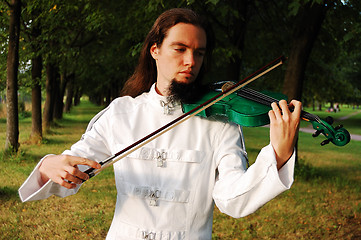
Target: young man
x=167, y=189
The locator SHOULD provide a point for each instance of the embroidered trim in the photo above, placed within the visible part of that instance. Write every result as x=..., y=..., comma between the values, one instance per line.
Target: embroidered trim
x=187, y=156
x=154, y=194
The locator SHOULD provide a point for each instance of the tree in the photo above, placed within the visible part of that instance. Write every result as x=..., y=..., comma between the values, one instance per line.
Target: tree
x=12, y=126
x=306, y=28
x=69, y=93
x=48, y=114
x=36, y=123
x=36, y=75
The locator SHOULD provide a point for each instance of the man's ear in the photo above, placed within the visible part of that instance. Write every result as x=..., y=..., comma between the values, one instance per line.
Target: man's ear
x=154, y=51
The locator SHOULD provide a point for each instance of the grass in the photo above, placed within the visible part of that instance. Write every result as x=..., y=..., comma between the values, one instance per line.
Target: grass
x=323, y=203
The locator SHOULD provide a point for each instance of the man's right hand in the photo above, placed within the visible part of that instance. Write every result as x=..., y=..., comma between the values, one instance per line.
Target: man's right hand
x=63, y=169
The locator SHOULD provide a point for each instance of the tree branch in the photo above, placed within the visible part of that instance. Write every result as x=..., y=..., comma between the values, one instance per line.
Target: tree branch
x=7, y=3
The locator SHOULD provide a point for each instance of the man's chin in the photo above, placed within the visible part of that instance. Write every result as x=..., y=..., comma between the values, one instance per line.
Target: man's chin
x=184, y=80
x=184, y=91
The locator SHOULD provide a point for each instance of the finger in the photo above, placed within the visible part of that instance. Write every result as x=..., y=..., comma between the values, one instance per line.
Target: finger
x=68, y=184
x=77, y=174
x=83, y=161
x=285, y=111
x=65, y=183
x=297, y=105
x=276, y=110
x=271, y=116
x=284, y=106
x=71, y=178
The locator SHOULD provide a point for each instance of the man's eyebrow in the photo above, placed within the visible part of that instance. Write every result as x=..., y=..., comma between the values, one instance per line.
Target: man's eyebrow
x=185, y=45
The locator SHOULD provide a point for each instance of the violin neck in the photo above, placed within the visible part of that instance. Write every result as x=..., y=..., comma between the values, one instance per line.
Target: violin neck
x=338, y=136
x=264, y=99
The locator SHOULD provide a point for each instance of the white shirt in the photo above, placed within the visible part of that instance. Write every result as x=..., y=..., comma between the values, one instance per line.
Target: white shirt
x=166, y=189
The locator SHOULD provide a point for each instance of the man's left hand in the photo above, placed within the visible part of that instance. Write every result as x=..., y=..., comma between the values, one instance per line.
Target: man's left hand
x=284, y=126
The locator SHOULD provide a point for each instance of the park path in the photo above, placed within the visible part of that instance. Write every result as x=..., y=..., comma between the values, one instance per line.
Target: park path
x=354, y=137
x=350, y=115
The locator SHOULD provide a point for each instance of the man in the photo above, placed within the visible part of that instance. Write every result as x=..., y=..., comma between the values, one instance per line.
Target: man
x=167, y=189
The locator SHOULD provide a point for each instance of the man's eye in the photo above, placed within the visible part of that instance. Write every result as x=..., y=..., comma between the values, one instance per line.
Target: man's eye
x=180, y=49
x=201, y=54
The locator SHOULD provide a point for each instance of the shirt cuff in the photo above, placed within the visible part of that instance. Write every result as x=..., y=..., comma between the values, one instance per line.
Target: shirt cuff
x=33, y=184
x=286, y=172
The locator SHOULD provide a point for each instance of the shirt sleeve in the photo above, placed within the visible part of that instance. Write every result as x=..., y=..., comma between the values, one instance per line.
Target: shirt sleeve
x=92, y=145
x=33, y=189
x=239, y=191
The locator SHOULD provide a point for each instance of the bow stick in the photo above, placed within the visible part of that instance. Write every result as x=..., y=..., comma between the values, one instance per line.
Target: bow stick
x=150, y=137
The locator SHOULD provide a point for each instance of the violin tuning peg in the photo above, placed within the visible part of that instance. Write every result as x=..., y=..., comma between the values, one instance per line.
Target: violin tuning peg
x=325, y=142
x=338, y=127
x=329, y=120
x=315, y=134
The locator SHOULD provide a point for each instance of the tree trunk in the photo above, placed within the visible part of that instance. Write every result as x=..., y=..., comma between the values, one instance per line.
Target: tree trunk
x=77, y=96
x=12, y=117
x=36, y=74
x=59, y=96
x=115, y=90
x=69, y=94
x=306, y=29
x=308, y=23
x=36, y=123
x=48, y=116
x=320, y=107
x=313, y=104
x=108, y=98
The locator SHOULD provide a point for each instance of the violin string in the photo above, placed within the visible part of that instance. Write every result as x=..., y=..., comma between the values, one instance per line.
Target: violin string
x=264, y=98
x=247, y=93
x=270, y=99
x=267, y=100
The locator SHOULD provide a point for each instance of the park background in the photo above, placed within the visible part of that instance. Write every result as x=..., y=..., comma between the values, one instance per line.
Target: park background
x=63, y=61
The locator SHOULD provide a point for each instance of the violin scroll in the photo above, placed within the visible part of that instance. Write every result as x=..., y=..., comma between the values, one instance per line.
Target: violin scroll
x=338, y=135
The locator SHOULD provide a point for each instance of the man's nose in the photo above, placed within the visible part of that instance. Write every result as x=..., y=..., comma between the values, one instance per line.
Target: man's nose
x=189, y=59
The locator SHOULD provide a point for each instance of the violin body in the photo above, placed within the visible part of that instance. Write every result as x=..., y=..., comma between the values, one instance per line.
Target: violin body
x=237, y=109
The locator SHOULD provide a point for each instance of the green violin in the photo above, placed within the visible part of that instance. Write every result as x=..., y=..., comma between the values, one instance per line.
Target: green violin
x=249, y=108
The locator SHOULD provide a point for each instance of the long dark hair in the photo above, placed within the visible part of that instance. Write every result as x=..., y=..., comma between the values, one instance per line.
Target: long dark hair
x=145, y=73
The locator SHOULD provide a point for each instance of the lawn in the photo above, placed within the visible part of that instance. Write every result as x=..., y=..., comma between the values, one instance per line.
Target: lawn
x=323, y=203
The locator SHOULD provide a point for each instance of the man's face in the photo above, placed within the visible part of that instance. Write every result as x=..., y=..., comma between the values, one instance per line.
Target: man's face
x=180, y=56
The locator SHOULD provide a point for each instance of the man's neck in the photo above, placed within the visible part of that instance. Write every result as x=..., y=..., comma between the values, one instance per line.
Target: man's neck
x=162, y=89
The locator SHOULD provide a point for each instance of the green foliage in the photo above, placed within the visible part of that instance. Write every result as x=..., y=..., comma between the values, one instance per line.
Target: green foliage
x=23, y=113
x=3, y=43
x=214, y=2
x=99, y=42
x=295, y=5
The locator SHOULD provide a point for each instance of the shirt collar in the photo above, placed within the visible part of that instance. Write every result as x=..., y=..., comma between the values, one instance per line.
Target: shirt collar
x=162, y=102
